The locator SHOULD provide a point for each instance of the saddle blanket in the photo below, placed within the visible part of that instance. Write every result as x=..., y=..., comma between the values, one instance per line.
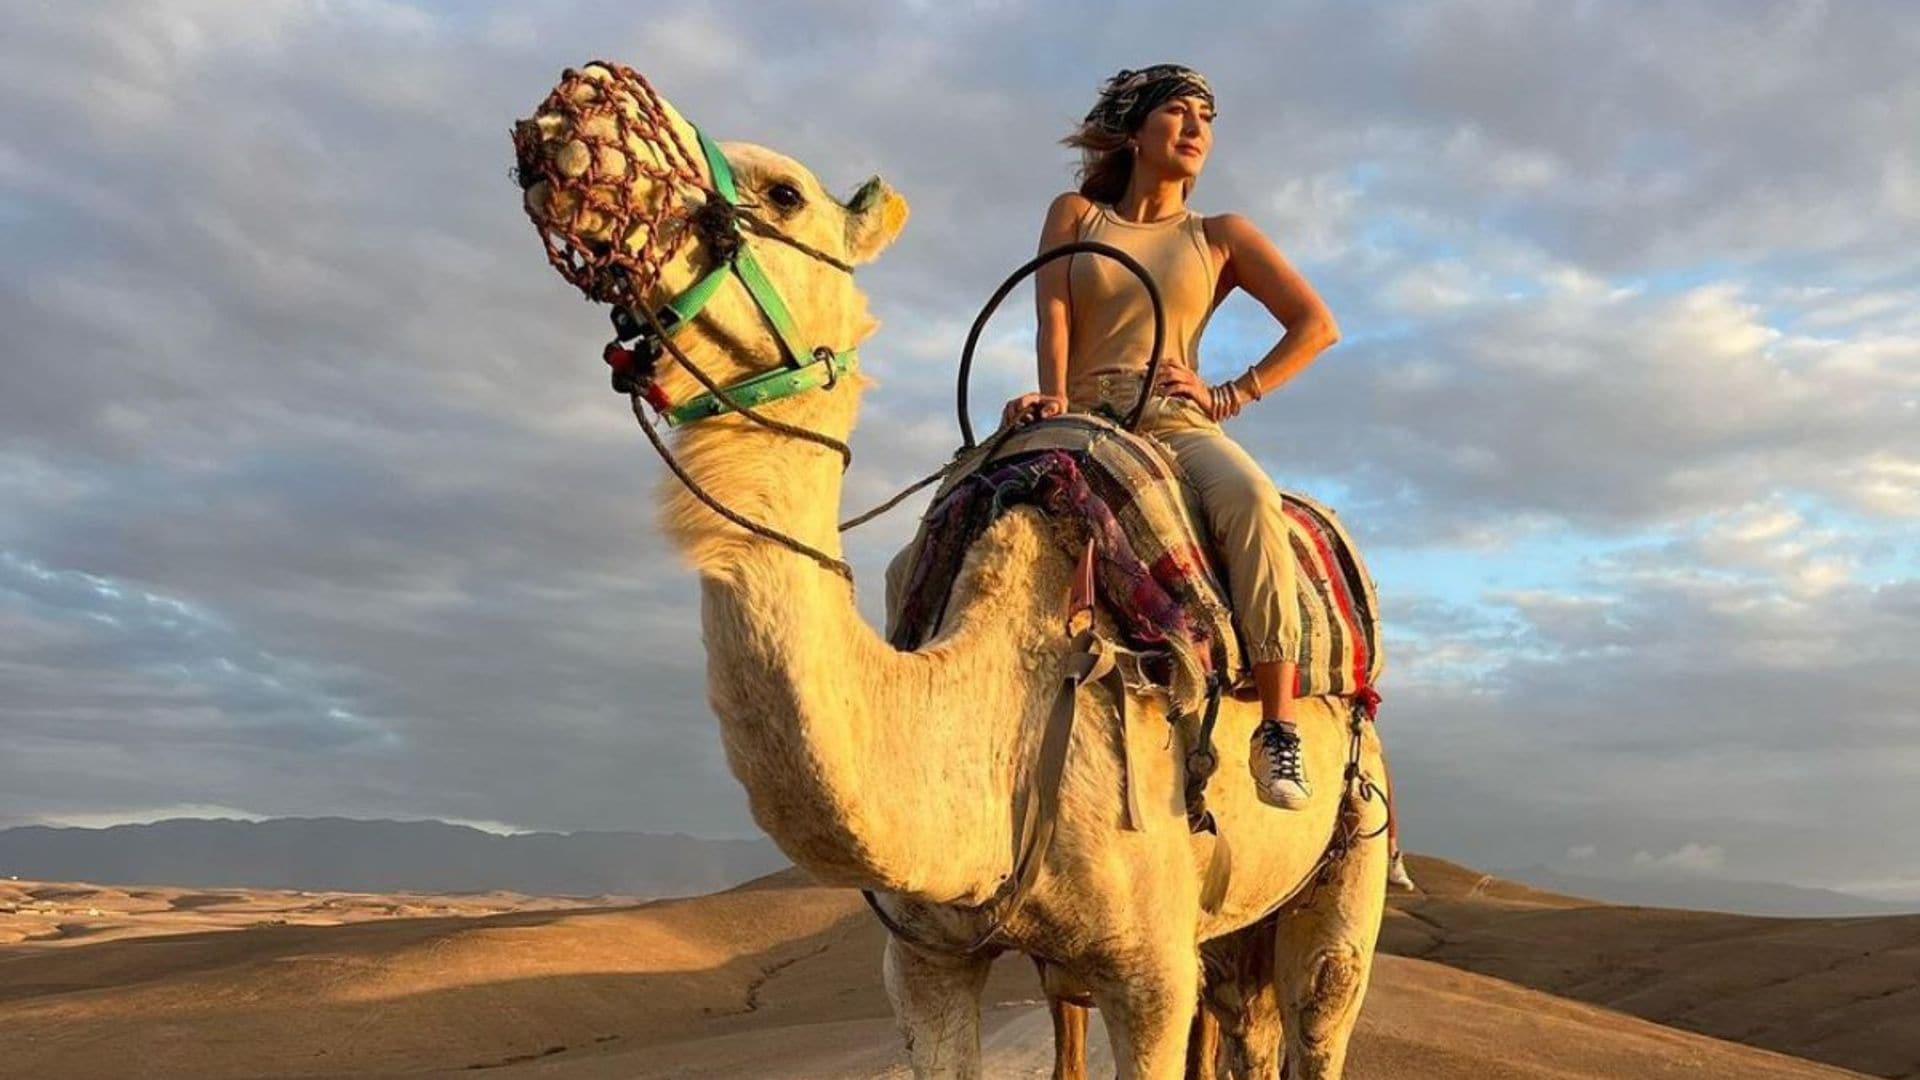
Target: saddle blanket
x=1155, y=570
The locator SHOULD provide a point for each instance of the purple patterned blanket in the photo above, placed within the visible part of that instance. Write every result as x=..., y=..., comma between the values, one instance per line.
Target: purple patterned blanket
x=1154, y=569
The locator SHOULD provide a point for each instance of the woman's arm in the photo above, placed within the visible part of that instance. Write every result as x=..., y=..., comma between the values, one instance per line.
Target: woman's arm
x=1052, y=315
x=1254, y=264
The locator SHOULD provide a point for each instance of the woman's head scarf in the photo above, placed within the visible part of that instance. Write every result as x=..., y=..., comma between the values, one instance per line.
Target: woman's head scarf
x=1128, y=97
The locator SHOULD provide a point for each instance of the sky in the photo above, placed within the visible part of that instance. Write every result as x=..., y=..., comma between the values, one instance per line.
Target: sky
x=314, y=500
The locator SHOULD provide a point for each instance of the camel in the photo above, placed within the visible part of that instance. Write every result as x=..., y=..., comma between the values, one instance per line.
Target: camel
x=897, y=771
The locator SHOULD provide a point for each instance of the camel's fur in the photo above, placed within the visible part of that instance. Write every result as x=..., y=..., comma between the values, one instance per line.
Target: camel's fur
x=1237, y=1028
x=896, y=771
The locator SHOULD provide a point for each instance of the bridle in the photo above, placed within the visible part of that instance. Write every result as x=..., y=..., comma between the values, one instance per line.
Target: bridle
x=610, y=272
x=635, y=351
x=719, y=224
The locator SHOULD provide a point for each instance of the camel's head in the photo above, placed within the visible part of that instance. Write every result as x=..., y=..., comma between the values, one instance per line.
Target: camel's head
x=617, y=182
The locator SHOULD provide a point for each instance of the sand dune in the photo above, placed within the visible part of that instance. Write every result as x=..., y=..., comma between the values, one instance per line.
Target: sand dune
x=1845, y=991
x=778, y=980
x=40, y=912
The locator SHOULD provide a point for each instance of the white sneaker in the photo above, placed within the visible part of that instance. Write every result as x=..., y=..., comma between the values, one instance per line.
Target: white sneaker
x=1278, y=777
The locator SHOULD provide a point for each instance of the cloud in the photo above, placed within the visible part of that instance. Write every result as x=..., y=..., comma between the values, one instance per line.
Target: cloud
x=1689, y=858
x=1686, y=689
x=1625, y=408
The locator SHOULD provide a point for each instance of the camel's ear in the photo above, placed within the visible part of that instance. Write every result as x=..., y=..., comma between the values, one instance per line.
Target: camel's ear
x=875, y=214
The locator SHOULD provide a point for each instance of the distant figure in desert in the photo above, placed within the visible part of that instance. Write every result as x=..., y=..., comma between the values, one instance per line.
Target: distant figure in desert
x=899, y=771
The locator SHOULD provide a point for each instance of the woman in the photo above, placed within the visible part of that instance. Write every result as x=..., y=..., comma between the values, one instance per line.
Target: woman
x=1143, y=145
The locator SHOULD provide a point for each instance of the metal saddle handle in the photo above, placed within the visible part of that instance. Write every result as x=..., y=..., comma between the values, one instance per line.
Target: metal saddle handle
x=1093, y=247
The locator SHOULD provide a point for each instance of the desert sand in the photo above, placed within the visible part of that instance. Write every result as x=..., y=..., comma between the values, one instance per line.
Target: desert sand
x=43, y=913
x=1844, y=991
x=780, y=979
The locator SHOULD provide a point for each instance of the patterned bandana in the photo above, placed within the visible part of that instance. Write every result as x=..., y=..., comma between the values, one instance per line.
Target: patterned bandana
x=1129, y=96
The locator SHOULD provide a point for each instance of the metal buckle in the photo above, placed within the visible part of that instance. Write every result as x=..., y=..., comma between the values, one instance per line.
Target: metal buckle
x=825, y=356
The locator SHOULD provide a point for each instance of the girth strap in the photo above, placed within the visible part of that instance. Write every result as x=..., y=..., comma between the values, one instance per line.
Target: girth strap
x=1088, y=659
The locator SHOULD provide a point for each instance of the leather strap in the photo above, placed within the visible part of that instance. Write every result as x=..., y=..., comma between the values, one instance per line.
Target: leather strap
x=1116, y=684
x=767, y=386
x=1088, y=658
x=1202, y=761
x=1213, y=889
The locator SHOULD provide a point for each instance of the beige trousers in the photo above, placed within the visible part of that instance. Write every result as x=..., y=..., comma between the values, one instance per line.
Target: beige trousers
x=1243, y=509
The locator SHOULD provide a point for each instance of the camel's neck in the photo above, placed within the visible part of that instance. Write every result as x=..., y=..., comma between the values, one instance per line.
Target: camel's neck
x=869, y=766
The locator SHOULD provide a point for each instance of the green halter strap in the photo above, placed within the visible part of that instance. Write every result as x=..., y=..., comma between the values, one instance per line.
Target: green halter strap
x=806, y=368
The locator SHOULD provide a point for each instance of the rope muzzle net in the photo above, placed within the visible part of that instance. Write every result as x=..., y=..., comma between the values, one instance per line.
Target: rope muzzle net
x=606, y=173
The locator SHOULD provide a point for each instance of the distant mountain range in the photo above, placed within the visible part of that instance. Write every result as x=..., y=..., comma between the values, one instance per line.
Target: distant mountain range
x=382, y=856
x=1707, y=894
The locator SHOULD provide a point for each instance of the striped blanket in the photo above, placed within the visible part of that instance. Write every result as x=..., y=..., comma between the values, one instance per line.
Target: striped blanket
x=1154, y=570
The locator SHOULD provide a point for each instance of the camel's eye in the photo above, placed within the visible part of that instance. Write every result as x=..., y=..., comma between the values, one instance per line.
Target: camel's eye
x=785, y=196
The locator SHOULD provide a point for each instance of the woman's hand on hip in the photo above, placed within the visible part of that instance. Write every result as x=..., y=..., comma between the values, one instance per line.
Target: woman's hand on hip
x=1175, y=379
x=1032, y=406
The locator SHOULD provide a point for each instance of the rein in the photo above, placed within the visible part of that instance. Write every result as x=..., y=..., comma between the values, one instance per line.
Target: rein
x=632, y=374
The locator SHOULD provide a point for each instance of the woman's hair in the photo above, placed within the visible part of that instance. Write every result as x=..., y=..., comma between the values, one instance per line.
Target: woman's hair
x=1106, y=165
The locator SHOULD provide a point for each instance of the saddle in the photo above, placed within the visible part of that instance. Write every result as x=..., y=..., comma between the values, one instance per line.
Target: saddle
x=1156, y=570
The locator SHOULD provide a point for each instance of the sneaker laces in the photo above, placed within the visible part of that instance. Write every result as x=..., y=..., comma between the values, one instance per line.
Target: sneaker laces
x=1283, y=749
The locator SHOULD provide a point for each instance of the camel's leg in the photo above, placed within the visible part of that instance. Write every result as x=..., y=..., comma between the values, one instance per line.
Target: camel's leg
x=1262, y=1047
x=1067, y=1006
x=936, y=1002
x=1069, y=1039
x=1243, y=1001
x=1324, y=958
x=1149, y=1011
x=1203, y=1047
x=1252, y=1044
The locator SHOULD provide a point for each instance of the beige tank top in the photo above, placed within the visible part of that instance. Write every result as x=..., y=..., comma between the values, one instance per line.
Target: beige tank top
x=1112, y=319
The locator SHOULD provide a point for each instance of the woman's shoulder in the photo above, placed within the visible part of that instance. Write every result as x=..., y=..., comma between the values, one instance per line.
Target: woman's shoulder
x=1072, y=199
x=1069, y=204
x=1225, y=228
x=1064, y=215
x=1232, y=235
